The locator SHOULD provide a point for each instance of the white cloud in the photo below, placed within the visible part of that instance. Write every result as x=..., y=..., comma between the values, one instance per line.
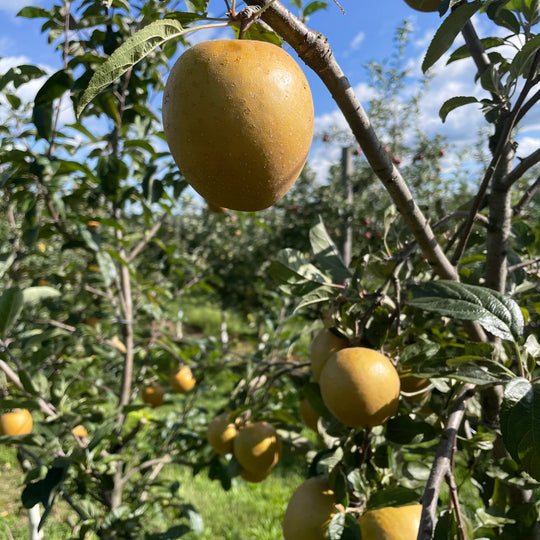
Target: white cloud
x=527, y=145
x=322, y=157
x=357, y=41
x=27, y=92
x=12, y=61
x=328, y=121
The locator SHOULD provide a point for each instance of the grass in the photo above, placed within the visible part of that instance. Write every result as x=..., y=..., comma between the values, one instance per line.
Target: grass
x=205, y=316
x=13, y=521
x=245, y=512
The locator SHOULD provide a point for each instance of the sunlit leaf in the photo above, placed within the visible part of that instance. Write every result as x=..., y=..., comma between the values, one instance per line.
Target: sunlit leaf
x=496, y=312
x=448, y=31
x=453, y=103
x=11, y=304
x=107, y=267
x=33, y=295
x=398, y=496
x=344, y=526
x=327, y=254
x=520, y=424
x=128, y=54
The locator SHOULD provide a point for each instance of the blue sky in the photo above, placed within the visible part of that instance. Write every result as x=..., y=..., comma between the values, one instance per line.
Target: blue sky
x=364, y=33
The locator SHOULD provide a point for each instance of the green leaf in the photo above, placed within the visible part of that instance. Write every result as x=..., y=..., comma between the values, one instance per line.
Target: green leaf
x=11, y=304
x=496, y=312
x=316, y=296
x=327, y=254
x=448, y=31
x=466, y=369
x=296, y=268
x=19, y=75
x=14, y=100
x=453, y=103
x=107, y=266
x=33, y=12
x=44, y=491
x=344, y=526
x=521, y=64
x=218, y=471
x=259, y=31
x=42, y=118
x=33, y=295
x=185, y=17
x=54, y=87
x=418, y=351
x=128, y=54
x=398, y=496
x=312, y=392
x=520, y=424
x=505, y=18
x=532, y=346
x=314, y=6
x=28, y=382
x=404, y=430
x=6, y=260
x=464, y=51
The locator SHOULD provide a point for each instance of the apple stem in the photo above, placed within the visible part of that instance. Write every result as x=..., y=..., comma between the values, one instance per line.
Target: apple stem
x=246, y=16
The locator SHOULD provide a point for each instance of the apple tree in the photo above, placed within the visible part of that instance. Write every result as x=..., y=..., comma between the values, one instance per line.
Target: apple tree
x=91, y=275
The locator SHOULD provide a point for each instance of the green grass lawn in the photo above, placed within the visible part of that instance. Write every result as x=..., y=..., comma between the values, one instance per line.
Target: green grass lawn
x=245, y=512
x=13, y=522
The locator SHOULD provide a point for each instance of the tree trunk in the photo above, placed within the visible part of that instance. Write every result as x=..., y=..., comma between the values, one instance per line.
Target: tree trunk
x=500, y=219
x=223, y=329
x=34, y=517
x=346, y=179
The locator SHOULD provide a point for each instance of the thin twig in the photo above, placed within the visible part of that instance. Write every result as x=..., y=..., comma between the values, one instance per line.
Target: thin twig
x=527, y=197
x=442, y=463
x=533, y=100
x=451, y=481
x=523, y=264
x=151, y=233
x=520, y=169
x=46, y=407
x=145, y=465
x=58, y=324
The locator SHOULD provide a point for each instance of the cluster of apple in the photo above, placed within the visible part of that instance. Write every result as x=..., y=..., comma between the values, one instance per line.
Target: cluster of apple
x=255, y=445
x=20, y=422
x=181, y=381
x=361, y=388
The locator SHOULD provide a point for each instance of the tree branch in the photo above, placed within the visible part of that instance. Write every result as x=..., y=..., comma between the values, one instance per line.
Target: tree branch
x=501, y=150
x=528, y=105
x=442, y=463
x=527, y=197
x=478, y=53
x=451, y=481
x=44, y=405
x=151, y=233
x=519, y=170
x=314, y=50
